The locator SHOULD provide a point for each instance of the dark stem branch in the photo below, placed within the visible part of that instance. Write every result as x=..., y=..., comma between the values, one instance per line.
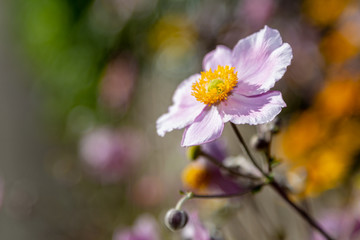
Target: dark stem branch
x=268, y=154
x=300, y=211
x=228, y=169
x=275, y=186
x=239, y=194
x=246, y=149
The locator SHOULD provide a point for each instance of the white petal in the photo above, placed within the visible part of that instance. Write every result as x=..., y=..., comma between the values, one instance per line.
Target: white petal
x=220, y=56
x=184, y=110
x=207, y=127
x=260, y=60
x=253, y=110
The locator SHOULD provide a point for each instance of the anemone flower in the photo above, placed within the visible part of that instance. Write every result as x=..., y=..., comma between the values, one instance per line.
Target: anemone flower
x=233, y=87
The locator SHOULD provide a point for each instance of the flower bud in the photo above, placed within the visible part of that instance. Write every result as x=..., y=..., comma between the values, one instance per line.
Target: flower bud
x=176, y=219
x=193, y=152
x=259, y=142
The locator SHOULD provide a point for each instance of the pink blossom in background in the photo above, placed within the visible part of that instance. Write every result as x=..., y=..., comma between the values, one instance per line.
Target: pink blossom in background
x=195, y=229
x=117, y=84
x=145, y=228
x=235, y=88
x=305, y=70
x=342, y=225
x=257, y=12
x=108, y=154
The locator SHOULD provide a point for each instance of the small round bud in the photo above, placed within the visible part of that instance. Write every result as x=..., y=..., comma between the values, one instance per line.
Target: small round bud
x=176, y=219
x=193, y=152
x=259, y=143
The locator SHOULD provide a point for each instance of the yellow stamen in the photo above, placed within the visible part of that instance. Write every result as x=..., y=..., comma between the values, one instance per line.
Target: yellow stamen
x=215, y=86
x=195, y=177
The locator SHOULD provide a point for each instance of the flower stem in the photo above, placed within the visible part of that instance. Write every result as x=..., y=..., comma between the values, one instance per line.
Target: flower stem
x=230, y=195
x=278, y=188
x=230, y=170
x=299, y=210
x=246, y=149
x=268, y=154
x=187, y=196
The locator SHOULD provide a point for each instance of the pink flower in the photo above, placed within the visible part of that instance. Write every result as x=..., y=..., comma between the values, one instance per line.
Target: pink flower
x=108, y=154
x=195, y=230
x=117, y=85
x=145, y=228
x=339, y=224
x=234, y=87
x=257, y=12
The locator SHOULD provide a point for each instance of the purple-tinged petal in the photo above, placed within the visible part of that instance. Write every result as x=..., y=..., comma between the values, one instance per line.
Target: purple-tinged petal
x=260, y=60
x=215, y=149
x=195, y=230
x=207, y=127
x=356, y=228
x=220, y=56
x=184, y=110
x=145, y=228
x=227, y=185
x=252, y=110
x=337, y=223
x=125, y=235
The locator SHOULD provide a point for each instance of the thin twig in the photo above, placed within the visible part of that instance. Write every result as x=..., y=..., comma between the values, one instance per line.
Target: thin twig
x=268, y=154
x=229, y=195
x=275, y=186
x=245, y=148
x=299, y=210
x=228, y=169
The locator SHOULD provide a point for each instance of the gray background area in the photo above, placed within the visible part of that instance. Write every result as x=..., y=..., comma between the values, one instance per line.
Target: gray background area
x=35, y=206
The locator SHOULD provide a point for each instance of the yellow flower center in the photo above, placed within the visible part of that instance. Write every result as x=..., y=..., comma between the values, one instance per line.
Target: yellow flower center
x=195, y=177
x=215, y=86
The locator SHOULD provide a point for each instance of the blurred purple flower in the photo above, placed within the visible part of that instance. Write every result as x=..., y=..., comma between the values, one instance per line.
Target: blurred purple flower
x=195, y=230
x=110, y=155
x=145, y=228
x=117, y=84
x=305, y=70
x=237, y=91
x=218, y=179
x=203, y=174
x=340, y=225
x=257, y=12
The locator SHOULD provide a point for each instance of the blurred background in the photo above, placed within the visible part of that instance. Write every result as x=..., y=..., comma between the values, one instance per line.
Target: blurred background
x=83, y=82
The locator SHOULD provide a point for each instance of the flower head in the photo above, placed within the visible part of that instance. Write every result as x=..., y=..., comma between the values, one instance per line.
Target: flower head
x=234, y=86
